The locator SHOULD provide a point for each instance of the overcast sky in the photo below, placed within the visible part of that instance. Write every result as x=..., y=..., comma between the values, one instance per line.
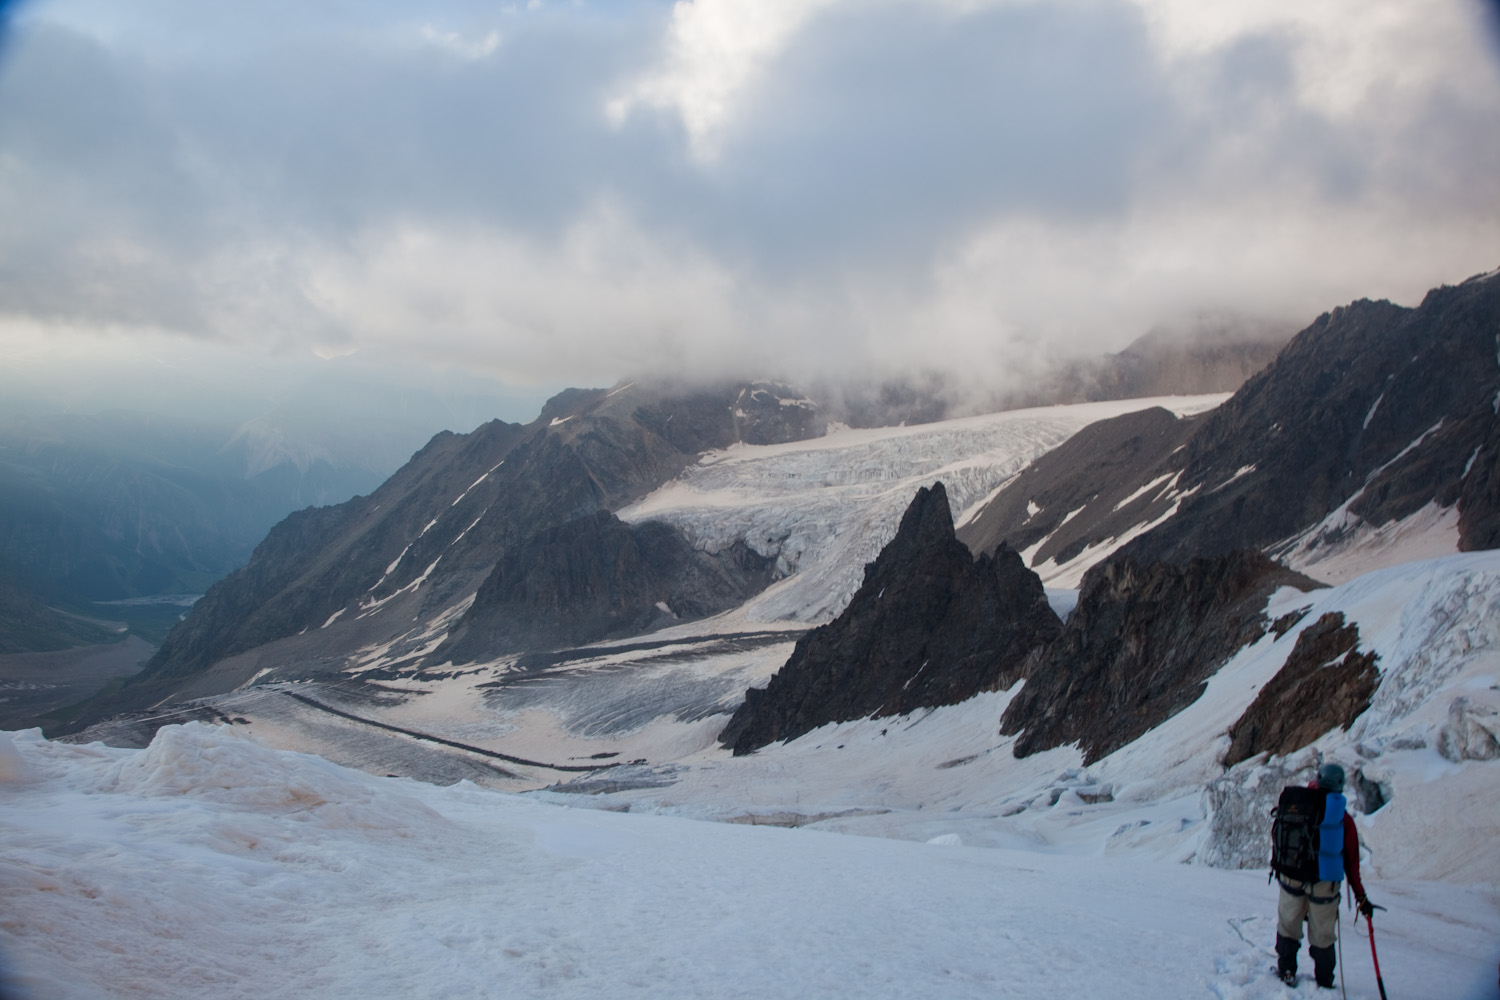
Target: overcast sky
x=567, y=191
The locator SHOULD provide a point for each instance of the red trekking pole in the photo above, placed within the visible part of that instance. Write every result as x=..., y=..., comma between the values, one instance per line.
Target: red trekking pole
x=1370, y=923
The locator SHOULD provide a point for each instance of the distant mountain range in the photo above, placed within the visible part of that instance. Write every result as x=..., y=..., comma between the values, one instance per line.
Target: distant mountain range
x=1108, y=625
x=581, y=526
x=119, y=505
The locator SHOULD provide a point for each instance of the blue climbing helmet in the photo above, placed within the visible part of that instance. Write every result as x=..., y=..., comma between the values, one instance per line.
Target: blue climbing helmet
x=1331, y=778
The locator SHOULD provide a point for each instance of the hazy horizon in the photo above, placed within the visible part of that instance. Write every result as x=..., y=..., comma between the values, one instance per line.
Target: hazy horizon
x=210, y=208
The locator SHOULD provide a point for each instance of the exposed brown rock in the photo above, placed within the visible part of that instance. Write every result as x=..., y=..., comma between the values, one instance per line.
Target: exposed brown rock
x=1314, y=691
x=1140, y=648
x=1281, y=626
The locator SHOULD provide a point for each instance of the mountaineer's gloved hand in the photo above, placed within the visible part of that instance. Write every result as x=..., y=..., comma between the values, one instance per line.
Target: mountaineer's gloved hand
x=1365, y=906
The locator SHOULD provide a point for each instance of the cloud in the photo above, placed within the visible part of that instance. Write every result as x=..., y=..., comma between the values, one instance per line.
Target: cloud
x=567, y=192
x=715, y=49
x=602, y=300
x=460, y=46
x=889, y=136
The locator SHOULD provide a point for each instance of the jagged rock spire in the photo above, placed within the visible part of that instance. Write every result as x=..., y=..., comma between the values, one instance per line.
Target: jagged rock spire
x=929, y=626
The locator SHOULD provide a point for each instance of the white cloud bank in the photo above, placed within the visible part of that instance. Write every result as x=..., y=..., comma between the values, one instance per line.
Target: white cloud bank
x=563, y=193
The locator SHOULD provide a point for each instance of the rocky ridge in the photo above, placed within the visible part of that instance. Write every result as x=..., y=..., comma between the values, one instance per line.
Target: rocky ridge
x=384, y=569
x=1140, y=647
x=930, y=625
x=598, y=578
x=1369, y=415
x=1087, y=491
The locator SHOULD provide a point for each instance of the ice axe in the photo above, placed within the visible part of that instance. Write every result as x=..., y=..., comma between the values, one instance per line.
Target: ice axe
x=1370, y=923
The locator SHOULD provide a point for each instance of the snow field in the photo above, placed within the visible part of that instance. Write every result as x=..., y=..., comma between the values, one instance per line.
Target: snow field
x=826, y=506
x=152, y=873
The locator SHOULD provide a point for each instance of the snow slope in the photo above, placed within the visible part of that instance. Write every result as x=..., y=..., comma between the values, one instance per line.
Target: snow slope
x=208, y=865
x=947, y=772
x=211, y=864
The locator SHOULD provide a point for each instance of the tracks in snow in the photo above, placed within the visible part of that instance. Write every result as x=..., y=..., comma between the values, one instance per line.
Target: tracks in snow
x=415, y=734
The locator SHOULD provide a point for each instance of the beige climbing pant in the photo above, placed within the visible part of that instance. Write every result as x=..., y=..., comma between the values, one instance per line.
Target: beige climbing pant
x=1315, y=902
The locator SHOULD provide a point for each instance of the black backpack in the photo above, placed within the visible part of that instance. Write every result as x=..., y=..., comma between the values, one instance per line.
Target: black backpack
x=1294, y=832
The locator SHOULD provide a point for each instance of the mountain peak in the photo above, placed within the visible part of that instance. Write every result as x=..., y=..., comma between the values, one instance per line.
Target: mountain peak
x=929, y=626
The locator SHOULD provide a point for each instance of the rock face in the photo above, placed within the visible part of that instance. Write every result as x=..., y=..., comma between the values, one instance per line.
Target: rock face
x=1087, y=489
x=598, y=578
x=1313, y=691
x=1374, y=406
x=1372, y=413
x=321, y=559
x=929, y=626
x=932, y=626
x=1139, y=648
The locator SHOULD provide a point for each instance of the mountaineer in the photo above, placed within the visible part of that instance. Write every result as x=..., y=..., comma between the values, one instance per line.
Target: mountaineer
x=1314, y=847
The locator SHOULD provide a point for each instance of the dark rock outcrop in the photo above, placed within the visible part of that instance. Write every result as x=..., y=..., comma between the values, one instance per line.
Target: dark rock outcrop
x=598, y=578
x=1087, y=489
x=1374, y=405
x=1479, y=503
x=1325, y=682
x=929, y=626
x=1140, y=648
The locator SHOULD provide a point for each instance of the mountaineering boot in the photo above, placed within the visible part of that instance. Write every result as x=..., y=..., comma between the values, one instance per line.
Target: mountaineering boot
x=1323, y=961
x=1286, y=959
